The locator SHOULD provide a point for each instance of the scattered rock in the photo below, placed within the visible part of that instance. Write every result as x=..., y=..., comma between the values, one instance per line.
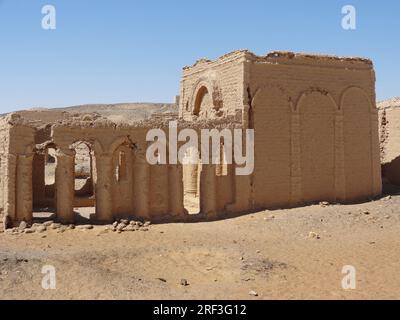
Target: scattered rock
x=55, y=226
x=62, y=229
x=22, y=226
x=387, y=198
x=48, y=223
x=324, y=203
x=162, y=279
x=131, y=228
x=124, y=221
x=366, y=212
x=29, y=230
x=147, y=223
x=253, y=293
x=313, y=234
x=184, y=282
x=144, y=229
x=71, y=227
x=121, y=227
x=41, y=228
x=115, y=224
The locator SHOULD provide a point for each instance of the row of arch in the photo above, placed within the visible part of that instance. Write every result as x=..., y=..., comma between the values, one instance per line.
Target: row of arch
x=205, y=86
x=314, y=151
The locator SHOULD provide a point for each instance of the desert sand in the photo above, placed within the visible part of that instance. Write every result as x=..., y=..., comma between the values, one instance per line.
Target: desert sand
x=271, y=253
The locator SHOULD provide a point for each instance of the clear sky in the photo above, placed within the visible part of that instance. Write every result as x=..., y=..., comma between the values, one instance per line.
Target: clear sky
x=105, y=51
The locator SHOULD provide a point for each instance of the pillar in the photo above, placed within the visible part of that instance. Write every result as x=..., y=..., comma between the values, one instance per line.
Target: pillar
x=141, y=187
x=104, y=197
x=24, y=188
x=175, y=190
x=10, y=187
x=64, y=185
x=208, y=191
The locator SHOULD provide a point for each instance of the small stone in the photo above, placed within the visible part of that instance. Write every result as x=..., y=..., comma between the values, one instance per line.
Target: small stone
x=253, y=293
x=324, y=203
x=130, y=228
x=162, y=279
x=115, y=224
x=62, y=229
x=29, y=230
x=147, y=223
x=121, y=227
x=387, y=198
x=48, y=223
x=22, y=226
x=124, y=221
x=313, y=234
x=184, y=282
x=144, y=229
x=41, y=229
x=71, y=227
x=55, y=226
x=85, y=227
x=366, y=212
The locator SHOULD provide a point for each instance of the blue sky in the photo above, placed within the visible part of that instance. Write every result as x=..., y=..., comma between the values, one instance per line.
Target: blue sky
x=107, y=51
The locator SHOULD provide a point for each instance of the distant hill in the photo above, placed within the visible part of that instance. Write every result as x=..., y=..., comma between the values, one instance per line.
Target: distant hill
x=390, y=103
x=118, y=113
x=124, y=112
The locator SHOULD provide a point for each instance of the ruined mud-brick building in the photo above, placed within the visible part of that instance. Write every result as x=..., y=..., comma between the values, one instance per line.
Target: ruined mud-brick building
x=316, y=139
x=389, y=120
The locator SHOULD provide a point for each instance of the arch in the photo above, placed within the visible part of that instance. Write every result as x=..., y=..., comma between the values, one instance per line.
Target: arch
x=93, y=144
x=203, y=86
x=119, y=142
x=199, y=97
x=313, y=91
x=360, y=91
x=317, y=111
x=272, y=129
x=356, y=107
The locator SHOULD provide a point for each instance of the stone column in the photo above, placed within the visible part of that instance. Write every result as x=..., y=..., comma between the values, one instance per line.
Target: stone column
x=24, y=188
x=64, y=185
x=104, y=197
x=208, y=191
x=141, y=187
x=175, y=190
x=10, y=180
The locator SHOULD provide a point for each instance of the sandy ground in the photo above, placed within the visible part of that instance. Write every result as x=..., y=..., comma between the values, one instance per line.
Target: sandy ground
x=269, y=252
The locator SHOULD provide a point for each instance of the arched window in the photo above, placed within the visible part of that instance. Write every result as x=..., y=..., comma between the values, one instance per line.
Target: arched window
x=201, y=93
